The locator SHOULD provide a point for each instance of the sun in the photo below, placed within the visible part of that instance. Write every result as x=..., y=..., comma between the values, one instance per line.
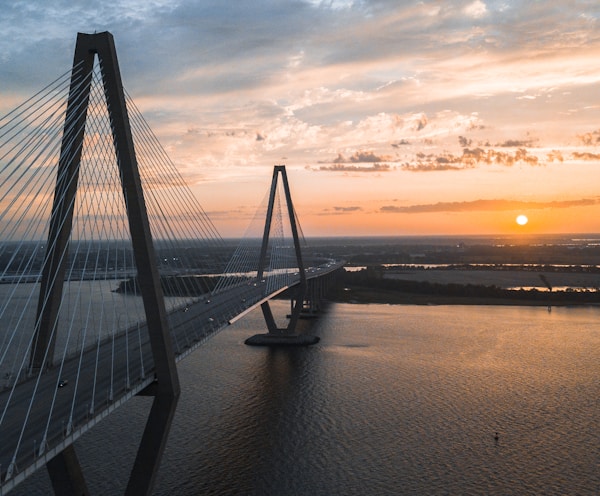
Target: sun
x=522, y=219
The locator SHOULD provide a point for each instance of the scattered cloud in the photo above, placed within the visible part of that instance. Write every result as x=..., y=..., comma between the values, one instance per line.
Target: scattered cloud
x=436, y=166
x=586, y=156
x=361, y=157
x=354, y=168
x=368, y=89
x=464, y=142
x=486, y=205
x=469, y=159
x=343, y=163
x=555, y=155
x=592, y=138
x=514, y=143
x=347, y=209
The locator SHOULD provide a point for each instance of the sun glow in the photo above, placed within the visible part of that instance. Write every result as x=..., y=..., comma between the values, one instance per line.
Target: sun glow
x=522, y=220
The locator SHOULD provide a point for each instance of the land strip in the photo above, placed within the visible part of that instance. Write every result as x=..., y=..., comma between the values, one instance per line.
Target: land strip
x=470, y=286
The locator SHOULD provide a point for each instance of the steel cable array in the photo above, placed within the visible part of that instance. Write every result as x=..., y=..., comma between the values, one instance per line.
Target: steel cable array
x=98, y=352
x=100, y=302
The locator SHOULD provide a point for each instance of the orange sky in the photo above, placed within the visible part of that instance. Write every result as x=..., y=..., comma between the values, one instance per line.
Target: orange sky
x=392, y=118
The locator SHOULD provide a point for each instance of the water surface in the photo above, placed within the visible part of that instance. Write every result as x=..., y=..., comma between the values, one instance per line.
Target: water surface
x=393, y=400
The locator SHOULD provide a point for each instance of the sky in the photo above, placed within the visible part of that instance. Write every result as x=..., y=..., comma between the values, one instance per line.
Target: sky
x=392, y=117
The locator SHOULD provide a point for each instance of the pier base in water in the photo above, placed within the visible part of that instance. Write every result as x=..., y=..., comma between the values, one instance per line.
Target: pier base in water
x=282, y=340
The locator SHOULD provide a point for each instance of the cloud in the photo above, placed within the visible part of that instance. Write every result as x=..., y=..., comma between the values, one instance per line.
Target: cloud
x=435, y=166
x=162, y=44
x=591, y=138
x=355, y=87
x=421, y=122
x=354, y=168
x=513, y=143
x=342, y=163
x=360, y=157
x=464, y=142
x=324, y=96
x=476, y=9
x=347, y=209
x=470, y=158
x=585, y=156
x=555, y=155
x=486, y=205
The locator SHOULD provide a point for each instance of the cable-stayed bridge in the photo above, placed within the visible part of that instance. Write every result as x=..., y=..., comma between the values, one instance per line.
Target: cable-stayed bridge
x=111, y=272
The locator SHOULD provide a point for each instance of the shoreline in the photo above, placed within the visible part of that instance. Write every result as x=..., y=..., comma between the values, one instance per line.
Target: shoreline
x=365, y=295
x=470, y=285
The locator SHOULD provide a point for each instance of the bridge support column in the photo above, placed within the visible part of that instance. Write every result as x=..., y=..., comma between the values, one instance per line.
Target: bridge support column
x=65, y=472
x=158, y=425
x=66, y=475
x=282, y=336
x=152, y=446
x=315, y=294
x=61, y=220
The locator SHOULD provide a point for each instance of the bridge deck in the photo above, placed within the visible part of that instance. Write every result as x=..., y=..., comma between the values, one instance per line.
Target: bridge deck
x=105, y=375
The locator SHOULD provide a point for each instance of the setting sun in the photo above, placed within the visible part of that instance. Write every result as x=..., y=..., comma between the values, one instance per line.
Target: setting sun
x=522, y=220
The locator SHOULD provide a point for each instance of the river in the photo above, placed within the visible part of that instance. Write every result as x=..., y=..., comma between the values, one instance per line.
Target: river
x=393, y=400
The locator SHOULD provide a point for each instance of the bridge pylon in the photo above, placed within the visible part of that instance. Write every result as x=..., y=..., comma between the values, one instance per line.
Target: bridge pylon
x=65, y=472
x=286, y=335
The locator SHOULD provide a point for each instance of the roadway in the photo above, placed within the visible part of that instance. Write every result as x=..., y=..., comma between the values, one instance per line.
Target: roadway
x=101, y=377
